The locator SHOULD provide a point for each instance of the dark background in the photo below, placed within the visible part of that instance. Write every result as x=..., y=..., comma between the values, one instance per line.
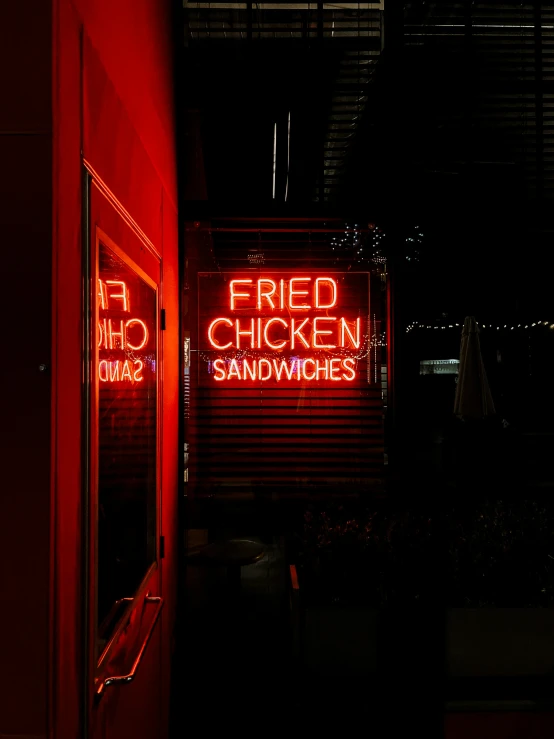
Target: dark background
x=446, y=119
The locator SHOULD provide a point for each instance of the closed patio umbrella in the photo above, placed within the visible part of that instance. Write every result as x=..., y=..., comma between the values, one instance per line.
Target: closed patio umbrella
x=473, y=399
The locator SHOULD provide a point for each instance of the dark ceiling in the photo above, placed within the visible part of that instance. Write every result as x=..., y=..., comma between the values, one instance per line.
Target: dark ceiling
x=283, y=80
x=401, y=113
x=391, y=107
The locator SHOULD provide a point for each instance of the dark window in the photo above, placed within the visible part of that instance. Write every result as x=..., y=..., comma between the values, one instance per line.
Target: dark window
x=126, y=309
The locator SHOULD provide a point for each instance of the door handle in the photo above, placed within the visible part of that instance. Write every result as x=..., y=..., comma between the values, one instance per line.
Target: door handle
x=130, y=676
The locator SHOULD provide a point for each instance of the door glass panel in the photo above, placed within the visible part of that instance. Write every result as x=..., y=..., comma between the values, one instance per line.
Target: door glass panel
x=126, y=310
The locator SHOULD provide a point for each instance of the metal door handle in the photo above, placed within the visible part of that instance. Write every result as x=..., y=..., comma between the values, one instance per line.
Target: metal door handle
x=130, y=676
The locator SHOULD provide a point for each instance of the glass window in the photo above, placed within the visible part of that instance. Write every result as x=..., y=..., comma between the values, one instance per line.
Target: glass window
x=126, y=311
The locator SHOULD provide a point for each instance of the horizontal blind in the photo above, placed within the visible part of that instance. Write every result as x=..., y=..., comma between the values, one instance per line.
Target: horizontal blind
x=506, y=53
x=296, y=437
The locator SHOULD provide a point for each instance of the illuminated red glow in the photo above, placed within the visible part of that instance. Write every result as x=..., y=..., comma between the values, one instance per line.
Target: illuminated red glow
x=120, y=371
x=224, y=333
x=115, y=334
x=119, y=334
x=281, y=333
x=106, y=293
x=261, y=294
x=308, y=370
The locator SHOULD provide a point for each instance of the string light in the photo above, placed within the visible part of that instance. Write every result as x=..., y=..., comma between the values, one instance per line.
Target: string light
x=359, y=247
x=417, y=325
x=247, y=353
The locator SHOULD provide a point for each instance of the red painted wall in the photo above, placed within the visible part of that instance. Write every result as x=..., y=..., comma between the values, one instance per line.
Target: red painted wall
x=25, y=218
x=121, y=54
x=121, y=105
x=505, y=725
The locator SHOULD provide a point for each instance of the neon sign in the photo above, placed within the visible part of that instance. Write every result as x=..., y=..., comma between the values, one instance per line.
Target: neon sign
x=270, y=316
x=127, y=335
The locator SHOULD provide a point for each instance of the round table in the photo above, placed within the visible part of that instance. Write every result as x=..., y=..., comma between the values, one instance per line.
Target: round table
x=230, y=553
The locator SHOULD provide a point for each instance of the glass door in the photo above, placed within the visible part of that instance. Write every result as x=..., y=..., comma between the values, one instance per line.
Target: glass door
x=126, y=320
x=122, y=497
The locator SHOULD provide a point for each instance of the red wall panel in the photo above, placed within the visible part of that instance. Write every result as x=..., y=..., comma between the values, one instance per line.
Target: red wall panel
x=113, y=148
x=292, y=437
x=132, y=39
x=171, y=450
x=67, y=368
x=25, y=215
x=25, y=449
x=113, y=100
x=505, y=725
x=129, y=129
x=25, y=72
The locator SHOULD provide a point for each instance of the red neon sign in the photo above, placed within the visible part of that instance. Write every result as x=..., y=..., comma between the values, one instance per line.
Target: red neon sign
x=119, y=334
x=276, y=316
x=335, y=369
x=297, y=333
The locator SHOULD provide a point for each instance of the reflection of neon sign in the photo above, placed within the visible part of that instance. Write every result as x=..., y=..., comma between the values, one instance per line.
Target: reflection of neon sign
x=291, y=331
x=110, y=338
x=118, y=334
x=118, y=371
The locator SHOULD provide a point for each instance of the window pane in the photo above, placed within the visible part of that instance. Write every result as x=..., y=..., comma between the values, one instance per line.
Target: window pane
x=127, y=444
x=285, y=373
